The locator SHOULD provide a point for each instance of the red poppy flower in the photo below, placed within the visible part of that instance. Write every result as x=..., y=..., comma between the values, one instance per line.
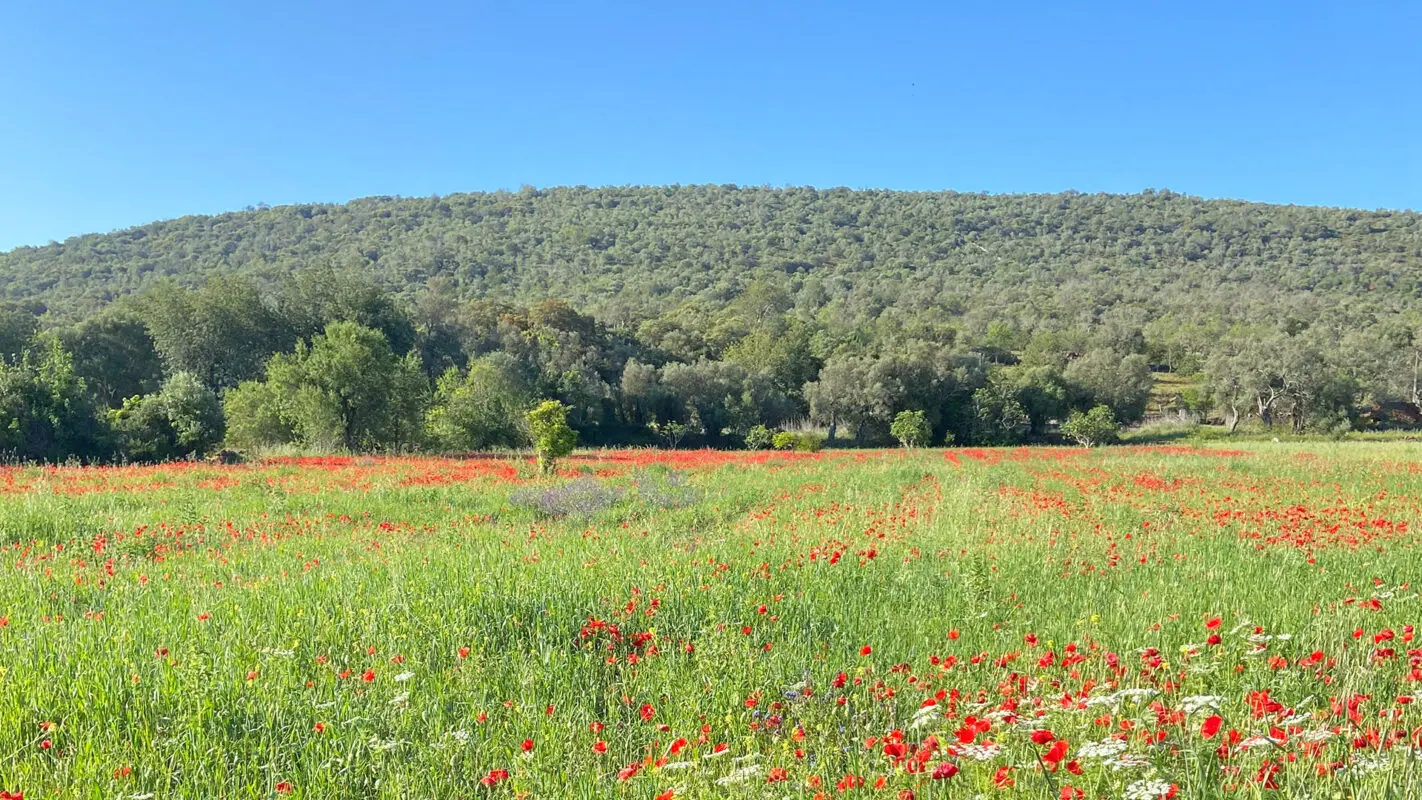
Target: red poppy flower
x=944, y=771
x=1211, y=726
x=1002, y=779
x=495, y=777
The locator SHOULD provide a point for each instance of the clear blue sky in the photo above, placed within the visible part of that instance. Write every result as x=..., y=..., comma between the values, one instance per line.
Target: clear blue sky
x=114, y=114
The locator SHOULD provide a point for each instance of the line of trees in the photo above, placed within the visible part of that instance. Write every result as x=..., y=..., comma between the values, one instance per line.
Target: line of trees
x=330, y=361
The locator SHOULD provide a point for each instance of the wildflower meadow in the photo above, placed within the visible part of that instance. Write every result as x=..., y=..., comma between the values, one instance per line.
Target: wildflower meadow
x=1131, y=622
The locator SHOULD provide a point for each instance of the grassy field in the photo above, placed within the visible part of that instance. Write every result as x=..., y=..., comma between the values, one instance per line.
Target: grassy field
x=1133, y=622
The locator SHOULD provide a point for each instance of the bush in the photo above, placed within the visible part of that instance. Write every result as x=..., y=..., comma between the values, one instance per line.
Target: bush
x=183, y=419
x=800, y=442
x=809, y=443
x=1095, y=427
x=911, y=428
x=482, y=408
x=760, y=438
x=552, y=437
x=254, y=417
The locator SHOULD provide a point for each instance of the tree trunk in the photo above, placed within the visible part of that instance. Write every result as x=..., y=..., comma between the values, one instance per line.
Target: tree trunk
x=1231, y=419
x=1416, y=358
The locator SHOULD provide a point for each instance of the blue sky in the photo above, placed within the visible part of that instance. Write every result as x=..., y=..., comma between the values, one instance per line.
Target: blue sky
x=117, y=114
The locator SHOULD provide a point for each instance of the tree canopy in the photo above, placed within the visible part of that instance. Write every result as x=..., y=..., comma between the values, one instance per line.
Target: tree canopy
x=707, y=316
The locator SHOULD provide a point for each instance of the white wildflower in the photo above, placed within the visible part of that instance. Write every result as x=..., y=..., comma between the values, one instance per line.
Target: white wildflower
x=1148, y=789
x=1128, y=761
x=980, y=752
x=739, y=776
x=1105, y=748
x=1362, y=765
x=1199, y=702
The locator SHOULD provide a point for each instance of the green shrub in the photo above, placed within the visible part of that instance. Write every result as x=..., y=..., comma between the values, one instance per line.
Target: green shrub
x=1095, y=427
x=809, y=442
x=760, y=438
x=552, y=437
x=911, y=428
x=800, y=442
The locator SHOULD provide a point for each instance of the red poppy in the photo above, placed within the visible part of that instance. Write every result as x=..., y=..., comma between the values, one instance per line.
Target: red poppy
x=1211, y=726
x=944, y=771
x=1002, y=779
x=495, y=777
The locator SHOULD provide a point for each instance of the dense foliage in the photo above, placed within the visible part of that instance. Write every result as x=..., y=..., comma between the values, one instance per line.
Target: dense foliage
x=695, y=315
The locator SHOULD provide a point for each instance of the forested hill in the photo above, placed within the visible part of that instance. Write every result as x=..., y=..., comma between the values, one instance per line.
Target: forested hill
x=631, y=253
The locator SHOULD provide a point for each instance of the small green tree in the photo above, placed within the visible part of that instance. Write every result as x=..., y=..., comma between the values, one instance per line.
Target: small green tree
x=481, y=409
x=911, y=428
x=254, y=416
x=783, y=440
x=1095, y=427
x=671, y=432
x=349, y=390
x=552, y=437
x=760, y=438
x=45, y=410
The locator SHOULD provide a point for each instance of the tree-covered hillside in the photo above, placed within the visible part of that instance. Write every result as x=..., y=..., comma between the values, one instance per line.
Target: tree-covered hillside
x=709, y=316
x=630, y=253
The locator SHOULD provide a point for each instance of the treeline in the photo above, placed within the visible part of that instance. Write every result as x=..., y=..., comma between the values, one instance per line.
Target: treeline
x=328, y=360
